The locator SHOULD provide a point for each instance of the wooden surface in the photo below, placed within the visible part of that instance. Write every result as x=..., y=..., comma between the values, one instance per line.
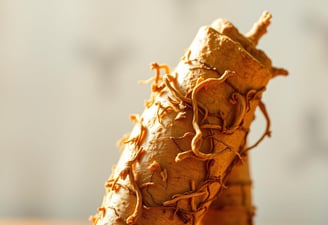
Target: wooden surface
x=42, y=222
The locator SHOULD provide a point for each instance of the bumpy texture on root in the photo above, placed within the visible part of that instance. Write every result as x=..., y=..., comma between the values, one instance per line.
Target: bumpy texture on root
x=233, y=206
x=192, y=131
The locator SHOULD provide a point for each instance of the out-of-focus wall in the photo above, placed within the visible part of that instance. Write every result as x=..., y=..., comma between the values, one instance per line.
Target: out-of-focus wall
x=68, y=81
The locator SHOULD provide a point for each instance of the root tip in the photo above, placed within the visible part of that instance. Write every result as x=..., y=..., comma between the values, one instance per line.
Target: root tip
x=278, y=72
x=259, y=28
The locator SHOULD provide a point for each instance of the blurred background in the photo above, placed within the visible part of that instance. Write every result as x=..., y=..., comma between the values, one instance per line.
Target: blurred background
x=68, y=81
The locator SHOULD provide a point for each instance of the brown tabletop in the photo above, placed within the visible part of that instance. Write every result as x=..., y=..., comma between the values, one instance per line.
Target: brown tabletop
x=41, y=222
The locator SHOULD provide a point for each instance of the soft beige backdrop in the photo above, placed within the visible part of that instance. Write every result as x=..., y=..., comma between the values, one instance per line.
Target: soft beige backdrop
x=68, y=81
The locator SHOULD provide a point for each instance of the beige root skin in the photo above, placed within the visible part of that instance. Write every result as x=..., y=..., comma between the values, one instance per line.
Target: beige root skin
x=191, y=133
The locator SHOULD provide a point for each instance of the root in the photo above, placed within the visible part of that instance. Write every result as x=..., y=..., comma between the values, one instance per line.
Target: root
x=190, y=154
x=210, y=108
x=267, y=131
x=240, y=112
x=141, y=136
x=156, y=86
x=102, y=211
x=137, y=210
x=206, y=185
x=164, y=110
x=163, y=174
x=278, y=71
x=259, y=28
x=175, y=92
x=243, y=107
x=127, y=171
x=196, y=141
x=202, y=65
x=192, y=200
x=179, y=197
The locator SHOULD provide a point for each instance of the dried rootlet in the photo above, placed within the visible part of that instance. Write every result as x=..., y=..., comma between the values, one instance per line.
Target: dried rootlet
x=192, y=132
